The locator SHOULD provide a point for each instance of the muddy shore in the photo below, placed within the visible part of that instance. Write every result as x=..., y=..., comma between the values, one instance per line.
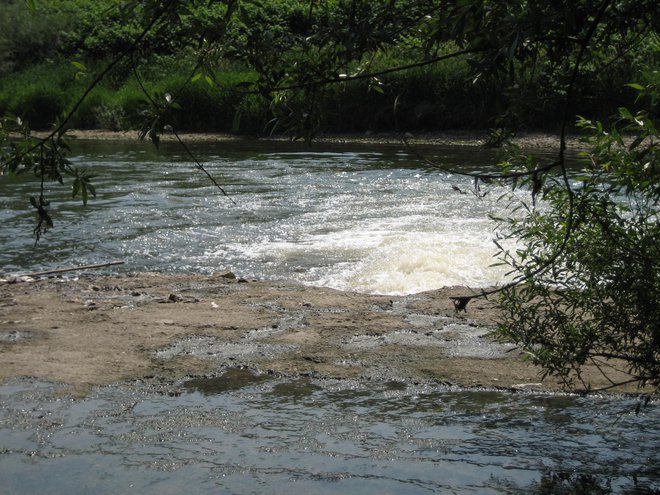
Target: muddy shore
x=91, y=330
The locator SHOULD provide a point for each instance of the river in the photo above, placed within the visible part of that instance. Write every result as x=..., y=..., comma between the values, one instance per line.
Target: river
x=242, y=434
x=371, y=219
x=366, y=219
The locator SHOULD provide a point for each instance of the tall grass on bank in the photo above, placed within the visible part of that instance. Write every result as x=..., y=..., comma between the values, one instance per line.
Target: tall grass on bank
x=42, y=94
x=39, y=94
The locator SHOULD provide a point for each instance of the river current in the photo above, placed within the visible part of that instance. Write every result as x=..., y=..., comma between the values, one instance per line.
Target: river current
x=371, y=219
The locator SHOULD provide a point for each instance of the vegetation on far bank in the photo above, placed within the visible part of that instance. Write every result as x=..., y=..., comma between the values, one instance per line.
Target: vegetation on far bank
x=48, y=56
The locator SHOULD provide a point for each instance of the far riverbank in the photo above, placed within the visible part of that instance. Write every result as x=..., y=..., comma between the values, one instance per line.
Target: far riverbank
x=527, y=140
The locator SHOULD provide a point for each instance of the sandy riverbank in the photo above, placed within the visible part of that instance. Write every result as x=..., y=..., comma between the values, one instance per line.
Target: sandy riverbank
x=100, y=330
x=529, y=140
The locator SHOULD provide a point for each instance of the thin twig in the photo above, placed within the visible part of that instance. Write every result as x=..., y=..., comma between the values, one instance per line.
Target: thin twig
x=72, y=269
x=477, y=175
x=370, y=75
x=201, y=167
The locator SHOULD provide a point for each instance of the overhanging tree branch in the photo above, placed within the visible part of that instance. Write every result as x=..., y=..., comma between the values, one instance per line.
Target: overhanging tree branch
x=60, y=128
x=560, y=162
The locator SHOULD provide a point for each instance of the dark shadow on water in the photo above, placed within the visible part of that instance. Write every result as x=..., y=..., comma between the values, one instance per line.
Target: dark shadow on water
x=395, y=386
x=571, y=483
x=232, y=379
x=295, y=390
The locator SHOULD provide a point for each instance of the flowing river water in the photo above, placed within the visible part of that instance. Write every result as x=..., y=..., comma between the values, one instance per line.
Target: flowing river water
x=241, y=434
x=364, y=219
x=371, y=219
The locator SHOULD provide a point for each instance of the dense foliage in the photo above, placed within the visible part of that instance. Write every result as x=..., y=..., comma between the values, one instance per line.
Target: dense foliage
x=585, y=267
x=299, y=42
x=588, y=261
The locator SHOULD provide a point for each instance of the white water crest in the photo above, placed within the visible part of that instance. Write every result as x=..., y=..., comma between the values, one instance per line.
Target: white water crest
x=419, y=262
x=388, y=256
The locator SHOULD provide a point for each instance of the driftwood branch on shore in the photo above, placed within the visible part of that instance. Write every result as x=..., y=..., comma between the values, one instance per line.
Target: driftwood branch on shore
x=72, y=269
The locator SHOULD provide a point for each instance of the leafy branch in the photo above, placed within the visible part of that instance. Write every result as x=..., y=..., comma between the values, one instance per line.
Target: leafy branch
x=535, y=174
x=46, y=156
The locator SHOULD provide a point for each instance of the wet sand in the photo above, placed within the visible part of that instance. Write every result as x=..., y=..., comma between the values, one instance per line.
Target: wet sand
x=165, y=328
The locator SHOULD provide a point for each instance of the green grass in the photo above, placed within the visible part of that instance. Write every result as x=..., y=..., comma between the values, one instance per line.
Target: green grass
x=38, y=84
x=40, y=94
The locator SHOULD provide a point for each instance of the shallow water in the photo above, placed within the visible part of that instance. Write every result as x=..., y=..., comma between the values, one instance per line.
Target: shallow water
x=244, y=434
x=372, y=219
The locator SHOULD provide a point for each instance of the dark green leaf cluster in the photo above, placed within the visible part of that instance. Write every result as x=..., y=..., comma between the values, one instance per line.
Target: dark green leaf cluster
x=588, y=258
x=47, y=160
x=29, y=36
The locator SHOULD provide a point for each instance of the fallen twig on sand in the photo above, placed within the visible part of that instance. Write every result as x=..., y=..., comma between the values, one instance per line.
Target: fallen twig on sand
x=72, y=269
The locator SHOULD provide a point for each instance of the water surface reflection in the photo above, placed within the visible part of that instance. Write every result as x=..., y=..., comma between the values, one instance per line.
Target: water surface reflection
x=277, y=436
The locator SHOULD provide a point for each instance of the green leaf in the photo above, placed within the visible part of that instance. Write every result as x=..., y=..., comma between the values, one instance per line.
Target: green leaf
x=236, y=123
x=625, y=113
x=79, y=65
x=76, y=187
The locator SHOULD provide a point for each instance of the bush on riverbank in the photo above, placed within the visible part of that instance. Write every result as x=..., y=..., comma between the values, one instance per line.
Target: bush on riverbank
x=429, y=99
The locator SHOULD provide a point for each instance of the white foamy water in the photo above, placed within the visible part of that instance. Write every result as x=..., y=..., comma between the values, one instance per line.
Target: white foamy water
x=369, y=219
